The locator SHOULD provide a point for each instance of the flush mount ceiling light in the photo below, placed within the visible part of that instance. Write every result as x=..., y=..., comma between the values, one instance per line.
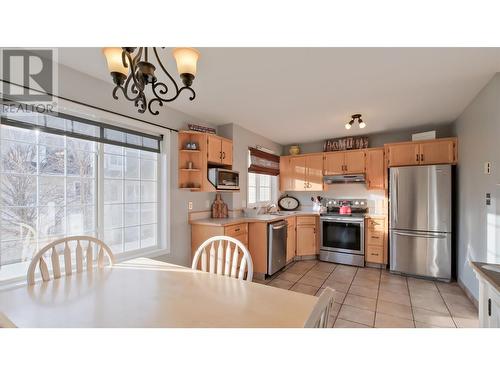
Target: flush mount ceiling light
x=132, y=71
x=355, y=117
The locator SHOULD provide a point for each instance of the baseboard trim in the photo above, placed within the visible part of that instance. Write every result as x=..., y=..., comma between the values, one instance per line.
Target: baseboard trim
x=468, y=293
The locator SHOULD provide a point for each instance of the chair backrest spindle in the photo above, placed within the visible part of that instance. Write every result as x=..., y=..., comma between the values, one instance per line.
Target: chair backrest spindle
x=223, y=258
x=39, y=260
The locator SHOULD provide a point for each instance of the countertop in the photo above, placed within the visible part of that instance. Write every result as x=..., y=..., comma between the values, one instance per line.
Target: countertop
x=244, y=219
x=260, y=218
x=491, y=276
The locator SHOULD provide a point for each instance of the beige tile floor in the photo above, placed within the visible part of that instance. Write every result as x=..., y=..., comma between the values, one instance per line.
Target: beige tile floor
x=368, y=297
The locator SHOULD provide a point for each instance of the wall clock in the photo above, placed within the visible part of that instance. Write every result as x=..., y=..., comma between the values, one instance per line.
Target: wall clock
x=288, y=203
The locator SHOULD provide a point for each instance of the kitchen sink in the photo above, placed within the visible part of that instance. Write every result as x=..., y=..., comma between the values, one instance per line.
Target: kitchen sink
x=491, y=267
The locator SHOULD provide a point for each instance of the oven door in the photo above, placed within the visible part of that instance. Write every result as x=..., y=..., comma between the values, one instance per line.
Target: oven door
x=343, y=235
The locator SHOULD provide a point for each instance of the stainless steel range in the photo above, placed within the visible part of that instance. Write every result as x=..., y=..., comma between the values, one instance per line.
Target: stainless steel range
x=343, y=234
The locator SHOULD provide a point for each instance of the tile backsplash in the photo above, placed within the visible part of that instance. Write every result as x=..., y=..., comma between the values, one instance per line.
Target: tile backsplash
x=376, y=198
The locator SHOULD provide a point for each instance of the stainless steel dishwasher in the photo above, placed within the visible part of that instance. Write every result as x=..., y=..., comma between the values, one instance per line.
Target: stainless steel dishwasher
x=276, y=246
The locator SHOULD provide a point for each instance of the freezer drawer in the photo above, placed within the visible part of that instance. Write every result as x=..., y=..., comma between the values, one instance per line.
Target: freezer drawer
x=425, y=254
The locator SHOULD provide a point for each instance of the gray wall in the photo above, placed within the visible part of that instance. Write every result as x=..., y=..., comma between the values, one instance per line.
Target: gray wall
x=379, y=139
x=478, y=131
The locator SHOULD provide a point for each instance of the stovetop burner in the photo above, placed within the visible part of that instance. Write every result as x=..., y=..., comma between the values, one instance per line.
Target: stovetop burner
x=359, y=207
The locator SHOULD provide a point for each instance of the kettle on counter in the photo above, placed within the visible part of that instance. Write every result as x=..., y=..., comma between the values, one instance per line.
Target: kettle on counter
x=345, y=209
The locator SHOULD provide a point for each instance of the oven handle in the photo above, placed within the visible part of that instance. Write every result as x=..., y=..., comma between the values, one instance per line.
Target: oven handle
x=340, y=220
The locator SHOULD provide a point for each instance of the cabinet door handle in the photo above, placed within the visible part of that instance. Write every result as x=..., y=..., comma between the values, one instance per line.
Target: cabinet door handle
x=223, y=155
x=220, y=155
x=418, y=157
x=421, y=157
x=374, y=254
x=237, y=229
x=489, y=306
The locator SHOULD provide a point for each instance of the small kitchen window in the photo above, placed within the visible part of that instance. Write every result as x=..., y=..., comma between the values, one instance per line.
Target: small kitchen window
x=262, y=177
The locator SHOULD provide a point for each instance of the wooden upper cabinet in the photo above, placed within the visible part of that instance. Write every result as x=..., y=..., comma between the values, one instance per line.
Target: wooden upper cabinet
x=334, y=163
x=219, y=150
x=227, y=151
x=214, y=149
x=354, y=162
x=438, y=152
x=314, y=169
x=401, y=154
x=286, y=180
x=375, y=169
x=298, y=173
x=344, y=162
x=303, y=173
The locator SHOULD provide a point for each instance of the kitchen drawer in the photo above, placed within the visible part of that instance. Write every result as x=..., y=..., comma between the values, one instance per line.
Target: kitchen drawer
x=374, y=254
x=306, y=220
x=376, y=224
x=375, y=238
x=234, y=230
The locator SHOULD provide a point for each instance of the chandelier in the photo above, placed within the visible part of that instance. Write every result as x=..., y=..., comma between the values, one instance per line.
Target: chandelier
x=133, y=71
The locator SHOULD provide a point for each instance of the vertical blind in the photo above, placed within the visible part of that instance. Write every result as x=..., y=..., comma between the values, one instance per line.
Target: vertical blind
x=263, y=162
x=26, y=116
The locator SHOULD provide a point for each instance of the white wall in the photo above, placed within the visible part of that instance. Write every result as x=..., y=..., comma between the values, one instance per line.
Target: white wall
x=242, y=140
x=478, y=131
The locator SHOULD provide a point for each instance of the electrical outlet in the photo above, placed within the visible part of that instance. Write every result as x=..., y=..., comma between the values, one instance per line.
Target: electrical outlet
x=487, y=167
x=190, y=206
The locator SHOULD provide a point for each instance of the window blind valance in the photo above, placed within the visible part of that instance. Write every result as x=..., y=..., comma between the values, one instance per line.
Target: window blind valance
x=27, y=117
x=263, y=162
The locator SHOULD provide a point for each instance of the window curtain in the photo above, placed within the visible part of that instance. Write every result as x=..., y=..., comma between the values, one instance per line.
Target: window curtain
x=263, y=162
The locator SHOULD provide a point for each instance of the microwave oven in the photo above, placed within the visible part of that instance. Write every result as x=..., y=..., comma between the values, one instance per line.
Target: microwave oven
x=224, y=179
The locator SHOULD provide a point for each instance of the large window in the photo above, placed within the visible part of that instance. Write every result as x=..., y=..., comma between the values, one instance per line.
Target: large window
x=262, y=189
x=52, y=186
x=130, y=198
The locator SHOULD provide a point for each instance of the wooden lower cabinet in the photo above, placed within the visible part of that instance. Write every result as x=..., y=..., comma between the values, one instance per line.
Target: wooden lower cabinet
x=291, y=238
x=302, y=238
x=376, y=240
x=307, y=236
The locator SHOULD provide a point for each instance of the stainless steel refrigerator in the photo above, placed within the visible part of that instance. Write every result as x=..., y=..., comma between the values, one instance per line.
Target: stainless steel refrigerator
x=420, y=227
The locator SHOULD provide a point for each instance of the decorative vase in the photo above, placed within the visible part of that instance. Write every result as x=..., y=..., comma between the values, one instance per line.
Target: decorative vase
x=294, y=150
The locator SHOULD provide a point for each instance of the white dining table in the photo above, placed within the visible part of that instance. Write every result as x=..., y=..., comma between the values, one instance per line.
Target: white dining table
x=148, y=293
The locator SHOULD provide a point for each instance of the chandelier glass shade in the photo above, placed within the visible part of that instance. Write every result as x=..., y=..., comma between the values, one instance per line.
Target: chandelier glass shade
x=133, y=69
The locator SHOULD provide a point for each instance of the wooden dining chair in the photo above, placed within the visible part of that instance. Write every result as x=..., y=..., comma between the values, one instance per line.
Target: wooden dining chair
x=79, y=243
x=321, y=312
x=221, y=255
x=5, y=322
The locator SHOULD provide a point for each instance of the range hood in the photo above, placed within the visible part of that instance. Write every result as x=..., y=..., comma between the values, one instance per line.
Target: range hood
x=345, y=179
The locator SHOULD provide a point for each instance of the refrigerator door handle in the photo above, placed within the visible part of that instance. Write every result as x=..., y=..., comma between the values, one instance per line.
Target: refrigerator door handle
x=394, y=204
x=421, y=235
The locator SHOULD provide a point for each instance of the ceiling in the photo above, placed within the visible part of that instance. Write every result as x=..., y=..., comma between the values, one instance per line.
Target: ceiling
x=297, y=95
